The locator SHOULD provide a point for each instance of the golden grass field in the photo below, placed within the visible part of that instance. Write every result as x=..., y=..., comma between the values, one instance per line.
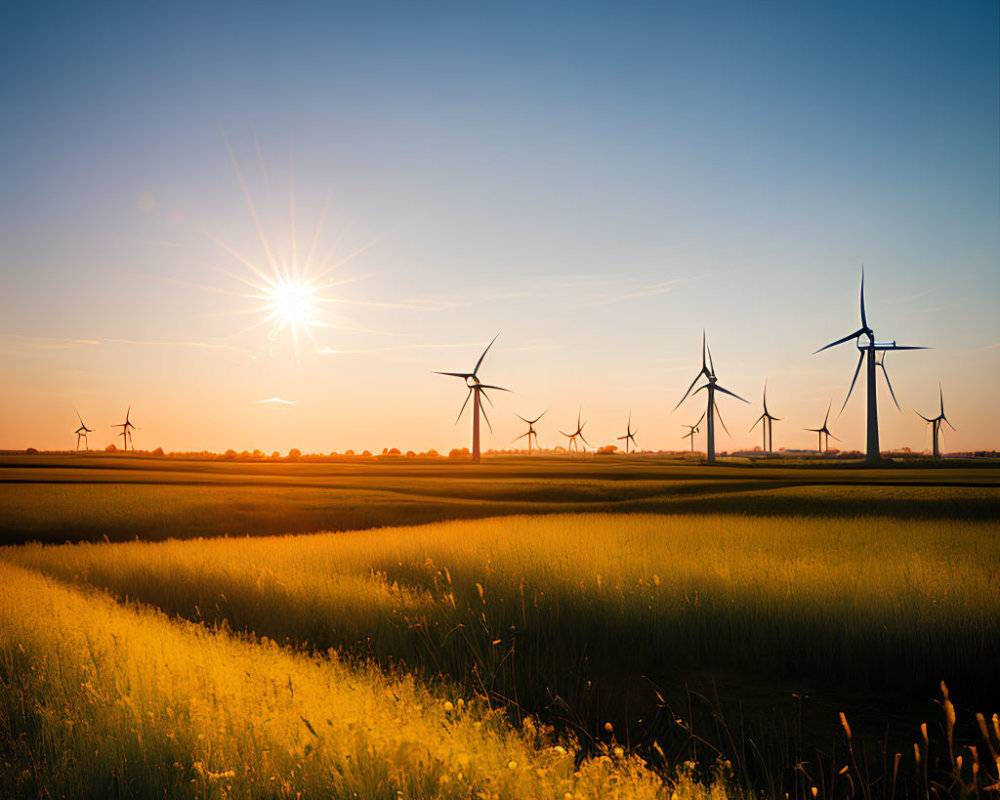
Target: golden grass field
x=529, y=655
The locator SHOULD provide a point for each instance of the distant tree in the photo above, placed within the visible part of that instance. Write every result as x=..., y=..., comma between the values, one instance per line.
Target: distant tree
x=275, y=454
x=31, y=451
x=294, y=454
x=158, y=451
x=348, y=452
x=385, y=451
x=395, y=451
x=258, y=454
x=229, y=455
x=432, y=452
x=459, y=452
x=111, y=448
x=367, y=454
x=607, y=449
x=410, y=454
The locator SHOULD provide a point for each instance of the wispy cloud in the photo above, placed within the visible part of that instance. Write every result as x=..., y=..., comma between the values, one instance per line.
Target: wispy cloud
x=65, y=343
x=275, y=401
x=330, y=351
x=643, y=291
x=909, y=298
x=571, y=288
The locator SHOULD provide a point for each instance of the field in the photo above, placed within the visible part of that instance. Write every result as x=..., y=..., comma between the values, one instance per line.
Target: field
x=605, y=623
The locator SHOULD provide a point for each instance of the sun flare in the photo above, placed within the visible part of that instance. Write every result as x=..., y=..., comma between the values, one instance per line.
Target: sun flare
x=293, y=302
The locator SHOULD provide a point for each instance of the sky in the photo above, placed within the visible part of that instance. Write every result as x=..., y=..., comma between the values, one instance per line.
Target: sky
x=597, y=183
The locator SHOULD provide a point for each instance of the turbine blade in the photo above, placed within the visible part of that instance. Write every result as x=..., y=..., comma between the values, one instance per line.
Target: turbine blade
x=480, y=361
x=925, y=419
x=623, y=437
x=755, y=424
x=864, y=318
x=497, y=388
x=520, y=437
x=827, y=417
x=462, y=410
x=522, y=420
x=702, y=350
x=847, y=338
x=685, y=397
x=888, y=383
x=711, y=366
x=482, y=392
x=856, y=371
x=902, y=347
x=546, y=411
x=721, y=422
x=580, y=434
x=949, y=424
x=455, y=374
x=731, y=394
x=482, y=410
x=700, y=419
x=940, y=397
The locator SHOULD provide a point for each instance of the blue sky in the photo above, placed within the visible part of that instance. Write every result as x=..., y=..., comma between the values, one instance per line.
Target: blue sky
x=598, y=182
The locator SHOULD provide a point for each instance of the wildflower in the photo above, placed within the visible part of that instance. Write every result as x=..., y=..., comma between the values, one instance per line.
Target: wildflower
x=511, y=765
x=448, y=706
x=619, y=752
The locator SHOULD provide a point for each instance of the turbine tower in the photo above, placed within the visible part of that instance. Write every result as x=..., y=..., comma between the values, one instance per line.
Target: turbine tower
x=577, y=432
x=477, y=391
x=629, y=434
x=766, y=419
x=936, y=423
x=693, y=429
x=712, y=386
x=81, y=432
x=824, y=430
x=531, y=429
x=127, y=428
x=864, y=339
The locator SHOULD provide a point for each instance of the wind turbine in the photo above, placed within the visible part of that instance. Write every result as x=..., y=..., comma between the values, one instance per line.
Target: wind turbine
x=476, y=389
x=869, y=347
x=127, y=428
x=577, y=432
x=708, y=371
x=693, y=429
x=767, y=419
x=531, y=429
x=81, y=432
x=936, y=422
x=824, y=430
x=629, y=434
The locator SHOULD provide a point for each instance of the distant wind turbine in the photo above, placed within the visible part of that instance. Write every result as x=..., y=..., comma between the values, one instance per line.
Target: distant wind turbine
x=531, y=432
x=127, y=428
x=692, y=430
x=477, y=391
x=867, y=346
x=577, y=432
x=766, y=419
x=708, y=371
x=936, y=423
x=81, y=433
x=629, y=434
x=824, y=431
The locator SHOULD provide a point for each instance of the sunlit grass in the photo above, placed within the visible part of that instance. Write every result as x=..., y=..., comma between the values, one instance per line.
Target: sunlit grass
x=104, y=700
x=530, y=609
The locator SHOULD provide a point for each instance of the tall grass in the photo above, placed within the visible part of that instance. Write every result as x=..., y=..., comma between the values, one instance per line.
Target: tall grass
x=582, y=616
x=104, y=700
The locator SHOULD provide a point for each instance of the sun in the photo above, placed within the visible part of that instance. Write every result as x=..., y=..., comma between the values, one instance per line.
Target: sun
x=292, y=302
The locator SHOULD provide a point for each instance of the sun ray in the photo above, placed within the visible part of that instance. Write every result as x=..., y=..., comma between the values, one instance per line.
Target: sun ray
x=250, y=205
